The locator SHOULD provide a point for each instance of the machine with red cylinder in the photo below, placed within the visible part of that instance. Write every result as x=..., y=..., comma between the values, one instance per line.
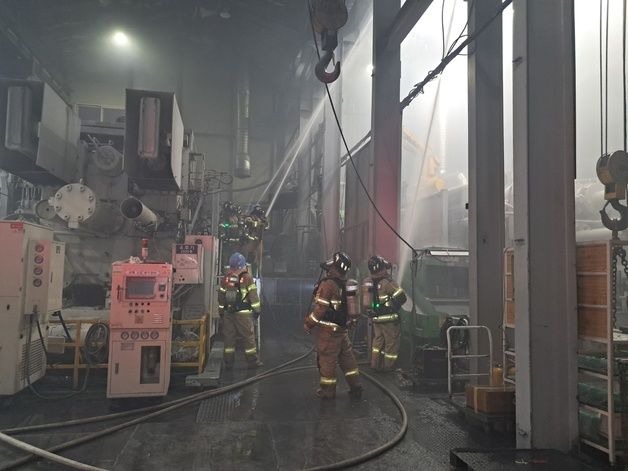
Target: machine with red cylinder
x=140, y=328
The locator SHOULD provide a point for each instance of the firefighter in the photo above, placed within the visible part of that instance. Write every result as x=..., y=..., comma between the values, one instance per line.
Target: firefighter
x=230, y=224
x=238, y=303
x=332, y=313
x=382, y=298
x=255, y=224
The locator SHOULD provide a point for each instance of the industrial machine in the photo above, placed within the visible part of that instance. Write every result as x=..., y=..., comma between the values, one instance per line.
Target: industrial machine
x=99, y=188
x=441, y=296
x=30, y=290
x=196, y=265
x=140, y=329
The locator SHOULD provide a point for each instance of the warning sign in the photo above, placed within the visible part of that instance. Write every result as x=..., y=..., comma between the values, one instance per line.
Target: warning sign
x=186, y=249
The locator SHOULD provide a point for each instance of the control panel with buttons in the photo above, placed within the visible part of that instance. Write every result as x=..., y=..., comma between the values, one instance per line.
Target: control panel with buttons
x=140, y=329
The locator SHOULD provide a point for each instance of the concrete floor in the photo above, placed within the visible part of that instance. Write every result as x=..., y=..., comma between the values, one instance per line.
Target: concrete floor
x=276, y=424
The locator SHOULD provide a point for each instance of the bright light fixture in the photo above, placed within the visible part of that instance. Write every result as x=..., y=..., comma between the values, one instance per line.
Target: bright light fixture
x=120, y=39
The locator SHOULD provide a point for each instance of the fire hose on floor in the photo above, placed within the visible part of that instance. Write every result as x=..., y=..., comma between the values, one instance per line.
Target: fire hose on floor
x=161, y=409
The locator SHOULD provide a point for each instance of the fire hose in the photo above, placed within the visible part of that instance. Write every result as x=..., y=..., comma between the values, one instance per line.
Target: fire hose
x=161, y=409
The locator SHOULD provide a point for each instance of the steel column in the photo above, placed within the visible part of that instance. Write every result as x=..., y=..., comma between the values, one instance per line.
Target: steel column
x=385, y=177
x=486, y=171
x=331, y=173
x=544, y=271
x=406, y=18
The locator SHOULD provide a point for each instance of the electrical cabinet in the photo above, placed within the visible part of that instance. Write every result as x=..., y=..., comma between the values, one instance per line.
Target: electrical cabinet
x=188, y=263
x=31, y=283
x=140, y=330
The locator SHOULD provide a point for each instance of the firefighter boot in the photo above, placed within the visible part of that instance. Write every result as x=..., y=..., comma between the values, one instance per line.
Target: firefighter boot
x=326, y=391
x=355, y=388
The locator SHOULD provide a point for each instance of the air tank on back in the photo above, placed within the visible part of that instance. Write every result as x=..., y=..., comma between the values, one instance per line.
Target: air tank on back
x=353, y=308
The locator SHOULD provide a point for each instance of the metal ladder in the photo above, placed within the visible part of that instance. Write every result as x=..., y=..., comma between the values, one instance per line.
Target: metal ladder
x=451, y=357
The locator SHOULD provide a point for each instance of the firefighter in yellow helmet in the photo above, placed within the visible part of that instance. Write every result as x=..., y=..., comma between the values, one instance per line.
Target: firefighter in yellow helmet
x=381, y=299
x=238, y=303
x=335, y=307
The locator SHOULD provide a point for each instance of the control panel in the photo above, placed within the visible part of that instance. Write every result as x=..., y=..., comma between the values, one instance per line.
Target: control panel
x=44, y=277
x=140, y=330
x=188, y=263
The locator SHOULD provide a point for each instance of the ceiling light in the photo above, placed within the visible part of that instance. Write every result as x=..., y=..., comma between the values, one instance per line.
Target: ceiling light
x=225, y=14
x=120, y=39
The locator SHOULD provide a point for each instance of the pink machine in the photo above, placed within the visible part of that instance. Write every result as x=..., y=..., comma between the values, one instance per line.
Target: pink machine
x=140, y=329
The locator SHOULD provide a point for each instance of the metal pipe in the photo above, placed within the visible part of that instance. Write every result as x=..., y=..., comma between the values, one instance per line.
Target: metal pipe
x=136, y=211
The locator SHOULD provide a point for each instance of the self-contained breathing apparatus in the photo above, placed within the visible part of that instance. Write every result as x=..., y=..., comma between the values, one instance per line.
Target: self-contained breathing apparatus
x=234, y=298
x=380, y=305
x=339, y=312
x=380, y=308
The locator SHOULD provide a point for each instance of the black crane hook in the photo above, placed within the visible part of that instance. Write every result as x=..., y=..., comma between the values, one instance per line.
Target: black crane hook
x=321, y=68
x=329, y=42
x=615, y=225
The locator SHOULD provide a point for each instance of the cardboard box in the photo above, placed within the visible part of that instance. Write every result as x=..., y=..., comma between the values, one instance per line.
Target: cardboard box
x=491, y=399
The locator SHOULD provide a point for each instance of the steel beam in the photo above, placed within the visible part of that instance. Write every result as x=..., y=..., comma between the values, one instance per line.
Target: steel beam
x=544, y=271
x=486, y=172
x=408, y=16
x=385, y=175
x=331, y=173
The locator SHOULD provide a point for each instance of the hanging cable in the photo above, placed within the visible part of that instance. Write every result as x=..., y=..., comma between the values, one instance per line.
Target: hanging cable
x=442, y=28
x=348, y=149
x=418, y=88
x=623, y=40
x=601, y=83
x=464, y=28
x=606, y=86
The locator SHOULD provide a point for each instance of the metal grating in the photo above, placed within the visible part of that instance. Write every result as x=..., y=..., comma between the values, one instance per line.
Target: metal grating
x=217, y=409
x=510, y=459
x=37, y=360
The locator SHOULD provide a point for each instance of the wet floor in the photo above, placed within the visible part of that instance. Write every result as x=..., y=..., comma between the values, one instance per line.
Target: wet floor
x=276, y=424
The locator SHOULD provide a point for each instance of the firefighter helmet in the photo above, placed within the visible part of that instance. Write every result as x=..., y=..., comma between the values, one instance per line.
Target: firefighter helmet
x=377, y=264
x=258, y=211
x=340, y=260
x=230, y=207
x=237, y=260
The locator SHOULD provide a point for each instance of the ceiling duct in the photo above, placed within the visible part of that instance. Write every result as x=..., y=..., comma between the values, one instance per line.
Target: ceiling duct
x=243, y=159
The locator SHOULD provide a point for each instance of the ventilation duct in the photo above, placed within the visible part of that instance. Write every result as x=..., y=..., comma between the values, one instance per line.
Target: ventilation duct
x=243, y=160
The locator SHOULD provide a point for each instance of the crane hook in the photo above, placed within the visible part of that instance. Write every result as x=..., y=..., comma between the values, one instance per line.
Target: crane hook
x=615, y=225
x=321, y=68
x=329, y=42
